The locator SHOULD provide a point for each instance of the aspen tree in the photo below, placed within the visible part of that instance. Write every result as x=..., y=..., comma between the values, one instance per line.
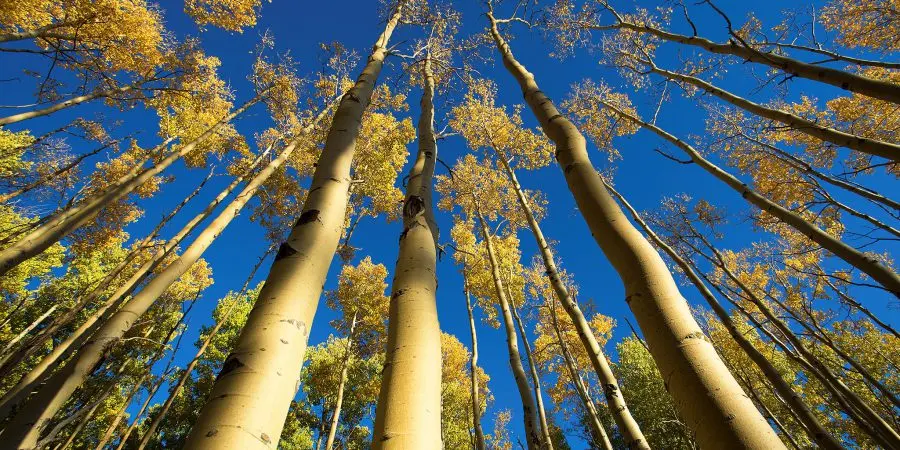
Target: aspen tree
x=706, y=395
x=482, y=193
x=456, y=409
x=110, y=306
x=817, y=432
x=62, y=224
x=473, y=367
x=867, y=264
x=503, y=133
x=361, y=300
x=409, y=403
x=101, y=286
x=728, y=266
x=252, y=393
x=47, y=401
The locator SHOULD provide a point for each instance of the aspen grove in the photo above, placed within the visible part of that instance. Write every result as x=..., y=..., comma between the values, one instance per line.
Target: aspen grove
x=449, y=224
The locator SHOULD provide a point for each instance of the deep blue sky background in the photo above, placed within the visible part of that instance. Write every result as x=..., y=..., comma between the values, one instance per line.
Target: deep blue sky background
x=643, y=176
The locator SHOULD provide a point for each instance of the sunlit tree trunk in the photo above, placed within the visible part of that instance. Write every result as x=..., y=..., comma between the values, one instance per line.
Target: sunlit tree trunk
x=821, y=371
x=473, y=367
x=186, y=373
x=35, y=413
x=706, y=394
x=99, y=317
x=120, y=414
x=816, y=431
x=597, y=429
x=628, y=427
x=253, y=391
x=63, y=105
x=85, y=300
x=867, y=264
x=535, y=378
x=67, y=221
x=28, y=329
x=529, y=409
x=408, y=414
x=339, y=400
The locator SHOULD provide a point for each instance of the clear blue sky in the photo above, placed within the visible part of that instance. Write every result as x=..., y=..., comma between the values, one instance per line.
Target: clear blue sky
x=643, y=176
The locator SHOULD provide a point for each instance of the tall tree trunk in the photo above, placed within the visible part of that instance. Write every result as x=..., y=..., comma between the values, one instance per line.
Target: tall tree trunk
x=768, y=413
x=473, y=368
x=817, y=432
x=120, y=414
x=253, y=391
x=67, y=221
x=408, y=414
x=867, y=264
x=706, y=395
x=27, y=424
x=845, y=80
x=176, y=389
x=535, y=379
x=28, y=329
x=339, y=401
x=64, y=104
x=137, y=417
x=599, y=433
x=529, y=409
x=85, y=300
x=85, y=419
x=628, y=427
x=875, y=147
x=77, y=338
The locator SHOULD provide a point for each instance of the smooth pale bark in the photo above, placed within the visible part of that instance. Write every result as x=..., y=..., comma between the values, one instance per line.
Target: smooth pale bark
x=85, y=300
x=27, y=424
x=867, y=264
x=705, y=393
x=186, y=373
x=529, y=409
x=597, y=429
x=253, y=391
x=871, y=146
x=845, y=80
x=12, y=398
x=137, y=417
x=67, y=221
x=63, y=105
x=111, y=429
x=28, y=329
x=339, y=401
x=473, y=369
x=84, y=421
x=816, y=431
x=43, y=179
x=408, y=414
x=628, y=427
x=535, y=379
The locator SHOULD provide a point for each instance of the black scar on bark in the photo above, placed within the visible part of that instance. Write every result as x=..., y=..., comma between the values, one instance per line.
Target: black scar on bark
x=413, y=206
x=285, y=251
x=307, y=217
x=231, y=364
